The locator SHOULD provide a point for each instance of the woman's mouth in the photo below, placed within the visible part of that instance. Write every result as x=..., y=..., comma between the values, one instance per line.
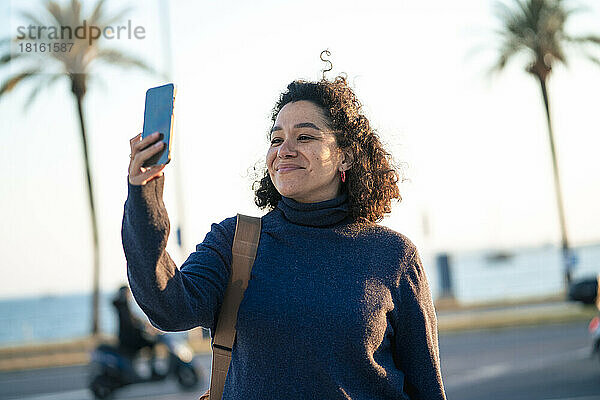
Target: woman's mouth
x=286, y=169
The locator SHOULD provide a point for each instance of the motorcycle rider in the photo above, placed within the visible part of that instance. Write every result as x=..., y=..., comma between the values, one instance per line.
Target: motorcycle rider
x=132, y=333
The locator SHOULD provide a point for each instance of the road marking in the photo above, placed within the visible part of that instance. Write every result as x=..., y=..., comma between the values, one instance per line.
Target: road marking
x=575, y=398
x=85, y=394
x=495, y=370
x=16, y=377
x=479, y=374
x=79, y=394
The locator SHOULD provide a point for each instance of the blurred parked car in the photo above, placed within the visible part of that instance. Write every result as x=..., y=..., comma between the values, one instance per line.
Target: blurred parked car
x=584, y=290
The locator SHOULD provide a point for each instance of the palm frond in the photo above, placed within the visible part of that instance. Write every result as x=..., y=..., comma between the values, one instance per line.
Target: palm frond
x=7, y=58
x=38, y=88
x=97, y=13
x=10, y=40
x=111, y=20
x=13, y=81
x=588, y=39
x=31, y=18
x=556, y=51
x=119, y=58
x=502, y=11
x=508, y=49
x=576, y=10
x=528, y=10
x=75, y=13
x=57, y=13
x=516, y=25
x=593, y=59
x=583, y=43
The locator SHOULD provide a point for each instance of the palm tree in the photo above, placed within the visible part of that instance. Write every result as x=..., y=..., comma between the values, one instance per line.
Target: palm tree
x=68, y=57
x=536, y=29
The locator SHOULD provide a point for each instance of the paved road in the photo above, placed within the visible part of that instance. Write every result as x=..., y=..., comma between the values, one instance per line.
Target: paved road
x=534, y=363
x=70, y=383
x=542, y=363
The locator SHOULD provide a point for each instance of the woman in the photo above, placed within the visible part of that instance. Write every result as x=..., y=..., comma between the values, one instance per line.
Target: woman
x=337, y=306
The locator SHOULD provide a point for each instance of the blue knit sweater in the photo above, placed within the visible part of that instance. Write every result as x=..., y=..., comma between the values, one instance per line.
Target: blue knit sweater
x=330, y=312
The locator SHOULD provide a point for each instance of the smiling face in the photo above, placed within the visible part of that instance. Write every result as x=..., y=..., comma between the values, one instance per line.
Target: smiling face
x=304, y=160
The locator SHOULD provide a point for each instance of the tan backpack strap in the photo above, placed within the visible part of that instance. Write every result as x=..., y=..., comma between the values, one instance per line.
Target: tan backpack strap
x=245, y=244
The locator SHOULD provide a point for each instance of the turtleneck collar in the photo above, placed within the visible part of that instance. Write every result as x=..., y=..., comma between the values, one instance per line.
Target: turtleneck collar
x=322, y=213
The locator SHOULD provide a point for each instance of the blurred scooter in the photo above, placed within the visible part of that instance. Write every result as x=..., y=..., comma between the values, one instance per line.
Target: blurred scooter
x=586, y=291
x=594, y=326
x=594, y=329
x=590, y=290
x=111, y=369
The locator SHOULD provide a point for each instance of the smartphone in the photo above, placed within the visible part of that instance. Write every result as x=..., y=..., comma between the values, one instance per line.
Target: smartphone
x=158, y=117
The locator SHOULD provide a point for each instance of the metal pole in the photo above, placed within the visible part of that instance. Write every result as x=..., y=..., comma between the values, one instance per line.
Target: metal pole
x=165, y=23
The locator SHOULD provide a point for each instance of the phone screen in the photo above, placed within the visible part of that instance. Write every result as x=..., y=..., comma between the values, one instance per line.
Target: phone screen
x=158, y=117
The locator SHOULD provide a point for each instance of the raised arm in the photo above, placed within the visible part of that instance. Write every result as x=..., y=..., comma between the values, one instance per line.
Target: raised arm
x=173, y=299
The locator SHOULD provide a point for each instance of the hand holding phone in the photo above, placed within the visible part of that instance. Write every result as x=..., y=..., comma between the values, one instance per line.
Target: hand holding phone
x=151, y=149
x=141, y=150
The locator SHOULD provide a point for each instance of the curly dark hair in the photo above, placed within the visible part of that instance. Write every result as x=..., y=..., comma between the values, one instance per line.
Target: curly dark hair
x=372, y=180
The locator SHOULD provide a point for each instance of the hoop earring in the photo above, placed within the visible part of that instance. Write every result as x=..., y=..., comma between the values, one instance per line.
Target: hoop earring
x=343, y=176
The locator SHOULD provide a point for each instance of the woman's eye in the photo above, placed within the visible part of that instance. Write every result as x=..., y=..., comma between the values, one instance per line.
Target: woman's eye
x=301, y=137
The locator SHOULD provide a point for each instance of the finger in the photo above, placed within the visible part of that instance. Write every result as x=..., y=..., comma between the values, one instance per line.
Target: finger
x=134, y=140
x=150, y=151
x=150, y=174
x=145, y=142
x=142, y=143
x=149, y=139
x=139, y=158
x=143, y=175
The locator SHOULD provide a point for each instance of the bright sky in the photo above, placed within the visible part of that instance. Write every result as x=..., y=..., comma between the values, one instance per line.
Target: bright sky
x=476, y=149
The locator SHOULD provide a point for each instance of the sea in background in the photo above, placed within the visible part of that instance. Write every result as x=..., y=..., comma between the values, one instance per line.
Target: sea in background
x=512, y=274
x=477, y=276
x=52, y=318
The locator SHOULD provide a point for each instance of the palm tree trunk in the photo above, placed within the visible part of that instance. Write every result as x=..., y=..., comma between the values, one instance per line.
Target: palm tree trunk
x=96, y=274
x=557, y=188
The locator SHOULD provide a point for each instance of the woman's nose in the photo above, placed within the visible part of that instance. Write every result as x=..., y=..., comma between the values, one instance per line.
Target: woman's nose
x=287, y=149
